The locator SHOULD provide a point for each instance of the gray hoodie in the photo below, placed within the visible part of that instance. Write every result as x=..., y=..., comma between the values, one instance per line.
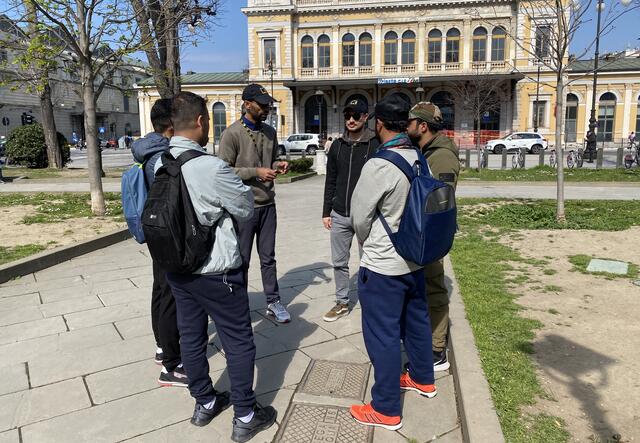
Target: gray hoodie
x=381, y=186
x=149, y=148
x=217, y=194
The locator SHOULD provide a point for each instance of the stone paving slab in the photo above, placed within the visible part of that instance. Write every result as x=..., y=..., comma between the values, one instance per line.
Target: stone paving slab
x=19, y=301
x=31, y=329
x=70, y=306
x=14, y=379
x=107, y=314
x=10, y=436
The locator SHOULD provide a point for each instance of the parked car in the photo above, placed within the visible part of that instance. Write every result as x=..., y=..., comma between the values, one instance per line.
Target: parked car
x=307, y=143
x=282, y=151
x=531, y=141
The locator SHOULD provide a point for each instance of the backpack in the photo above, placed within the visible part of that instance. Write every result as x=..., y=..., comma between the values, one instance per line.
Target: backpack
x=134, y=195
x=428, y=223
x=177, y=241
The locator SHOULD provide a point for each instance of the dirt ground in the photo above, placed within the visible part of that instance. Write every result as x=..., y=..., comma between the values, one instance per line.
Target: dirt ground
x=588, y=351
x=14, y=233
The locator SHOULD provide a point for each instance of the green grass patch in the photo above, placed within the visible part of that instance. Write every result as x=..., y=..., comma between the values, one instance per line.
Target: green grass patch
x=553, y=311
x=599, y=215
x=55, y=208
x=503, y=337
x=49, y=173
x=550, y=272
x=581, y=262
x=552, y=288
x=548, y=174
x=9, y=254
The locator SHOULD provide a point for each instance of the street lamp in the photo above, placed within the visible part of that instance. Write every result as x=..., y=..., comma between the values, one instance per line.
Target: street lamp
x=537, y=106
x=272, y=106
x=420, y=92
x=320, y=95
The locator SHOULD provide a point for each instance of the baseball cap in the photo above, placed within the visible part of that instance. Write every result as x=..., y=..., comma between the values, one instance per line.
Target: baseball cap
x=427, y=112
x=357, y=105
x=257, y=93
x=392, y=108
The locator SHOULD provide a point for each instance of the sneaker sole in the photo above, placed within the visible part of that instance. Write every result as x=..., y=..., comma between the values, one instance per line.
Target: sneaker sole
x=332, y=319
x=271, y=314
x=172, y=384
x=380, y=425
x=158, y=362
x=441, y=367
x=424, y=394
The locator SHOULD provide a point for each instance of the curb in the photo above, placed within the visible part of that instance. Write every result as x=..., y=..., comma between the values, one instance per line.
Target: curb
x=46, y=259
x=297, y=178
x=478, y=416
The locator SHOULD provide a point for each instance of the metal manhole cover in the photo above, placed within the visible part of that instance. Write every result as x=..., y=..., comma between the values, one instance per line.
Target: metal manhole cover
x=314, y=424
x=335, y=379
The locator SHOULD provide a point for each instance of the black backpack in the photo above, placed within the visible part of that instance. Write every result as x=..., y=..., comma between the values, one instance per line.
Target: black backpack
x=177, y=241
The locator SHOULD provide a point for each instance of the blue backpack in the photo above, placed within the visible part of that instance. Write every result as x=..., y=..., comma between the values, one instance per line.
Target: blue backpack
x=428, y=224
x=134, y=195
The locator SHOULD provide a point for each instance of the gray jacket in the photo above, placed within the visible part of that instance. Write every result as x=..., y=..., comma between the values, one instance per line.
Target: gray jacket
x=217, y=194
x=381, y=186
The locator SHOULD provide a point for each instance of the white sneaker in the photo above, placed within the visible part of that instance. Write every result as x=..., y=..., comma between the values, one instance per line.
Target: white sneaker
x=279, y=312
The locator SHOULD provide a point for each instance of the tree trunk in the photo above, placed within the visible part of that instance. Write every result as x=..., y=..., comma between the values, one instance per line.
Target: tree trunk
x=94, y=155
x=173, y=60
x=478, y=132
x=559, y=106
x=54, y=152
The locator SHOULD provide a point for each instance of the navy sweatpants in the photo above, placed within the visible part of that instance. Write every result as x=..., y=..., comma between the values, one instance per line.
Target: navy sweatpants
x=394, y=308
x=197, y=298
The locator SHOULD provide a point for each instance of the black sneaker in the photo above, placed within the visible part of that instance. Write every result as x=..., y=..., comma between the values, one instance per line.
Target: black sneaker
x=440, y=362
x=177, y=378
x=262, y=419
x=203, y=416
x=158, y=358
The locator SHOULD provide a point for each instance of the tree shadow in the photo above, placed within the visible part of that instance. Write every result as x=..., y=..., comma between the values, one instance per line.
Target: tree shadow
x=569, y=363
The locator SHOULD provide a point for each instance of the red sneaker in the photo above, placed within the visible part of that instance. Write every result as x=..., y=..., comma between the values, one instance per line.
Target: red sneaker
x=407, y=384
x=366, y=415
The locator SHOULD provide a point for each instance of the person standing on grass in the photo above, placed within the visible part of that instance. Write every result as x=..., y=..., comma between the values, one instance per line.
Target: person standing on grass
x=147, y=151
x=347, y=155
x=390, y=288
x=425, y=124
x=250, y=146
x=217, y=289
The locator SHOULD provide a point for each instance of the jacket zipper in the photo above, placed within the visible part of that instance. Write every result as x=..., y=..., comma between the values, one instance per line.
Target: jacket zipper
x=346, y=197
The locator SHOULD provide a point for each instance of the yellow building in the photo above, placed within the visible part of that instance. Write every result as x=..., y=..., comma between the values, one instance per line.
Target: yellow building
x=315, y=55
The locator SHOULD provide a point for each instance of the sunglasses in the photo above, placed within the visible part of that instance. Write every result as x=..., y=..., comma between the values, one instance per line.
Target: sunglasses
x=355, y=115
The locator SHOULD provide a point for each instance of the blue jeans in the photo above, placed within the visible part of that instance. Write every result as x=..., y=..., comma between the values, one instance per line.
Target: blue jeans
x=394, y=308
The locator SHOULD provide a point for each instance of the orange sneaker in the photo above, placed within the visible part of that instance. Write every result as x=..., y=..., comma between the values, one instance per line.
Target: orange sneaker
x=366, y=415
x=407, y=384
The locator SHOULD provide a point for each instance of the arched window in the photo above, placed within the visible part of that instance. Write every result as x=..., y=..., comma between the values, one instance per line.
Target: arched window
x=408, y=48
x=219, y=121
x=498, y=40
x=445, y=102
x=434, y=47
x=315, y=115
x=571, y=119
x=307, y=51
x=480, y=45
x=391, y=48
x=348, y=50
x=453, y=46
x=606, y=117
x=365, y=49
x=324, y=51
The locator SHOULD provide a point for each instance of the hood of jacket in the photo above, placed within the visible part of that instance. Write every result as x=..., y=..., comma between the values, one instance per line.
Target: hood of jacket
x=150, y=144
x=438, y=142
x=367, y=136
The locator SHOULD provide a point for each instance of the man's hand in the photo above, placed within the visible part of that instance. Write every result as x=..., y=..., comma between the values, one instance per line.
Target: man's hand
x=326, y=221
x=266, y=174
x=283, y=167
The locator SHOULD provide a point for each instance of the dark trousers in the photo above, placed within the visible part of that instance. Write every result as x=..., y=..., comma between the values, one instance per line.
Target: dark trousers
x=163, y=319
x=394, y=308
x=263, y=227
x=225, y=300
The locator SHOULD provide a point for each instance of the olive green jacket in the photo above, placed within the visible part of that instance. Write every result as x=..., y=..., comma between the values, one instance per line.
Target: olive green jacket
x=443, y=157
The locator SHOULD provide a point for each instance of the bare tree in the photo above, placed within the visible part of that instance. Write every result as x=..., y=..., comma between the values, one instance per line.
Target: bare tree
x=97, y=35
x=478, y=96
x=35, y=60
x=161, y=24
x=554, y=25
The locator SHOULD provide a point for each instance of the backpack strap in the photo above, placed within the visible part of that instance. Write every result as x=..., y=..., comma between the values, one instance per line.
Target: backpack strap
x=173, y=165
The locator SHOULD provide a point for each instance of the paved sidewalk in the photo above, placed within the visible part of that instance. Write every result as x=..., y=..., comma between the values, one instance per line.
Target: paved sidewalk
x=76, y=351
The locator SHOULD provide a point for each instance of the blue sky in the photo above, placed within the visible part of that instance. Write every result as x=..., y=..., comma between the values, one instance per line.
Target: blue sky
x=225, y=49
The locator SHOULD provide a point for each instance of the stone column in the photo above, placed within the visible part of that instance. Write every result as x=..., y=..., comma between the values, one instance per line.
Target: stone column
x=465, y=41
x=378, y=44
x=335, y=50
x=421, y=45
x=626, y=122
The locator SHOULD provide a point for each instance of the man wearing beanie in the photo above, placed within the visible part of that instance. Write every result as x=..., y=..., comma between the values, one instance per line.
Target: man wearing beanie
x=425, y=124
x=390, y=288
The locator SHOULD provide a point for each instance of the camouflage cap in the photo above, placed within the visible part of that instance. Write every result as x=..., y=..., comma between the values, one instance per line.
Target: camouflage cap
x=426, y=111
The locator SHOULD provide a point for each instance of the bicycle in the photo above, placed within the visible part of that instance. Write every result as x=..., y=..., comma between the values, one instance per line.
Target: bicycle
x=575, y=158
x=553, y=162
x=517, y=160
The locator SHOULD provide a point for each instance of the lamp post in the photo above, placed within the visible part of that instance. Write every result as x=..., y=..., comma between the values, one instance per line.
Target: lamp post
x=320, y=95
x=536, y=117
x=271, y=107
x=420, y=92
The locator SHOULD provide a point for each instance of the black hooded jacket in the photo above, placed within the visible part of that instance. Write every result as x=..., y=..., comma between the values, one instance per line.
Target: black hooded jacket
x=344, y=164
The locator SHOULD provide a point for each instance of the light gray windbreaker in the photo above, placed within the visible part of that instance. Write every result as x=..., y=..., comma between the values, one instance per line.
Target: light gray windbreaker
x=214, y=188
x=382, y=186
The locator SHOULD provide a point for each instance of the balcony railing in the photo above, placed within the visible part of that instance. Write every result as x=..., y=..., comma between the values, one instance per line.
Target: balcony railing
x=432, y=67
x=390, y=69
x=267, y=72
x=498, y=66
x=348, y=70
x=408, y=68
x=479, y=66
x=365, y=70
x=452, y=67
